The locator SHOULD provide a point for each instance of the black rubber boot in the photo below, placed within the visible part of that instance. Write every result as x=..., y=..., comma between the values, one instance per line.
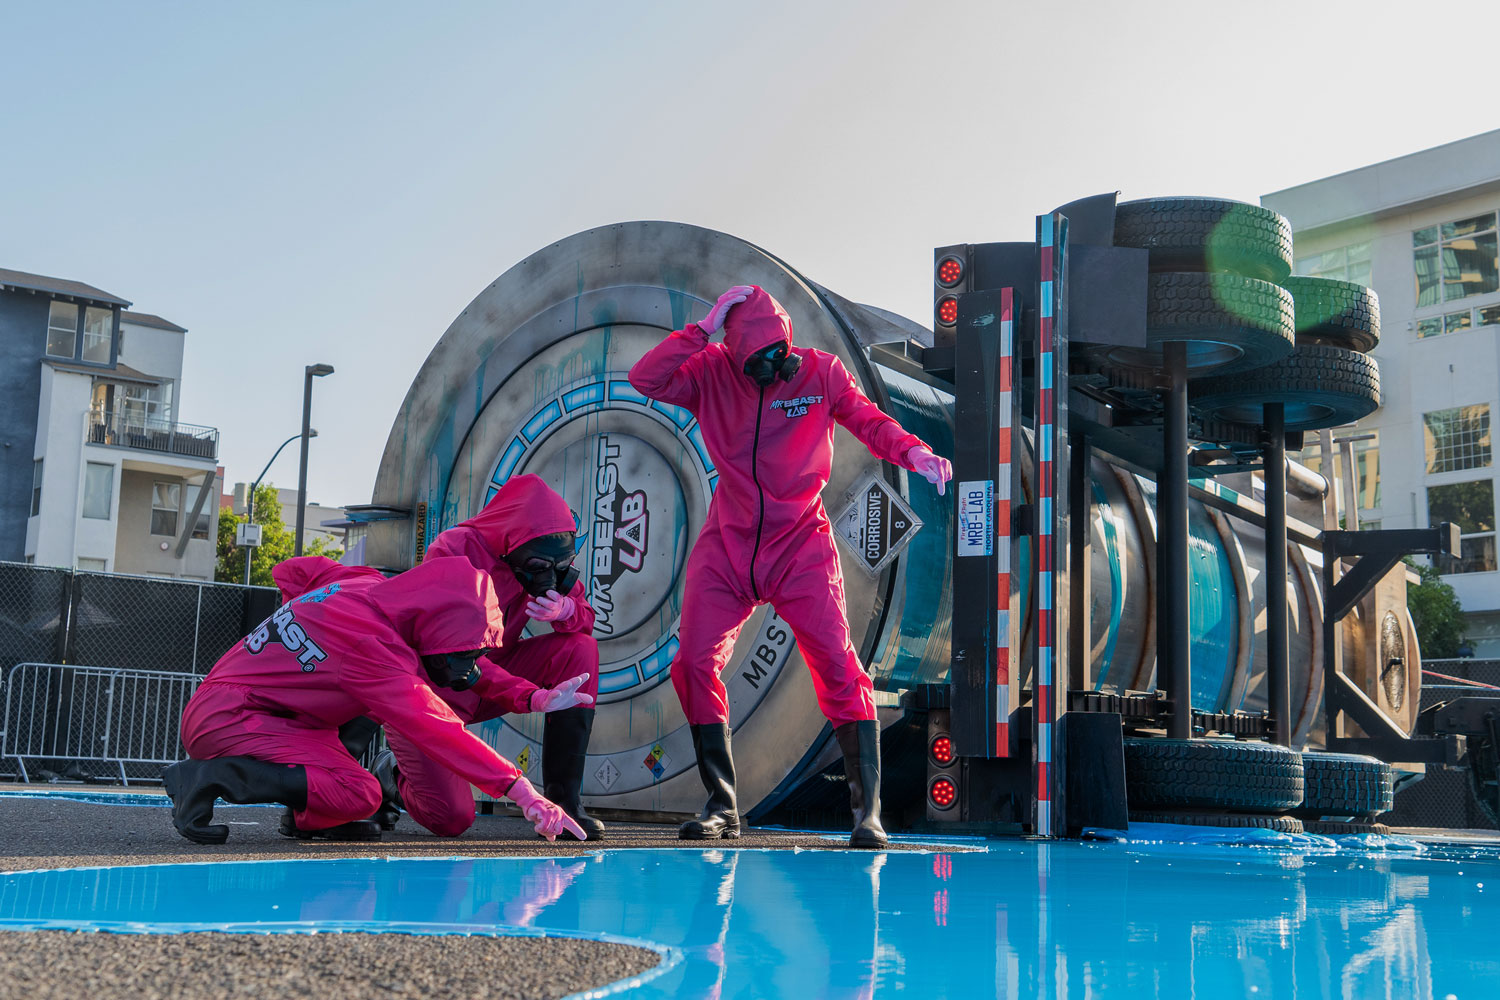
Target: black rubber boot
x=384, y=769
x=356, y=735
x=565, y=744
x=860, y=742
x=721, y=817
x=193, y=785
x=359, y=829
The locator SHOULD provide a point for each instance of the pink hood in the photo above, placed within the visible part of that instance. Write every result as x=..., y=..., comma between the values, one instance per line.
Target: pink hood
x=523, y=509
x=757, y=322
x=295, y=577
x=444, y=605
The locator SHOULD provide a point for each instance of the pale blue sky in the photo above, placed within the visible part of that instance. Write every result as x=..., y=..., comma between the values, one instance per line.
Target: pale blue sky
x=335, y=181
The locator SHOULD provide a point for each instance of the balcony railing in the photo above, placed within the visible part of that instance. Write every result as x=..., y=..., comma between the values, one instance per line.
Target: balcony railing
x=130, y=430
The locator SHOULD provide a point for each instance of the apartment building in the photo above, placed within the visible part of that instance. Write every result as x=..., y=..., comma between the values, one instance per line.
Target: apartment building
x=96, y=471
x=1422, y=231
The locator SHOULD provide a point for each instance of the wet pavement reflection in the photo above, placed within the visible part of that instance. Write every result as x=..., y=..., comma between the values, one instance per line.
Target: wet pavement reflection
x=1017, y=920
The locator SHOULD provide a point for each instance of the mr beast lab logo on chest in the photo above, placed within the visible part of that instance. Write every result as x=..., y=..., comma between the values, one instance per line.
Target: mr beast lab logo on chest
x=796, y=407
x=619, y=535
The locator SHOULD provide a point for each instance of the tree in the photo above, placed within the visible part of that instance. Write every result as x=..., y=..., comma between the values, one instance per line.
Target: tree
x=1436, y=613
x=276, y=542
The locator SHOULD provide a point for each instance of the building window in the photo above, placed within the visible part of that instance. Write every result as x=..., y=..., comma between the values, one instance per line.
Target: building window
x=1350, y=263
x=1464, y=319
x=166, y=501
x=1471, y=506
x=1367, y=471
x=1455, y=260
x=98, y=490
x=1457, y=439
x=145, y=405
x=205, y=517
x=36, y=487
x=93, y=565
x=98, y=330
x=62, y=330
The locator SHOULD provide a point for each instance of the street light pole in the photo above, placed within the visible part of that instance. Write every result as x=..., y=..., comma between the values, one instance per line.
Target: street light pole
x=309, y=373
x=250, y=497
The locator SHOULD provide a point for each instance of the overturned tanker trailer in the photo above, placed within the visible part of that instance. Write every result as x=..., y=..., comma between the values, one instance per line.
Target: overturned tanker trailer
x=531, y=378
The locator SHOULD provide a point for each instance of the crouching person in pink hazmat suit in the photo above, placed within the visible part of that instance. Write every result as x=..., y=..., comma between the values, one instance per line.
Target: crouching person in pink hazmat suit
x=264, y=724
x=523, y=540
x=767, y=412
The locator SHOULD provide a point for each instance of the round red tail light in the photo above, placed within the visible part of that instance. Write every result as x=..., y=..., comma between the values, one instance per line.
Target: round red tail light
x=950, y=271
x=947, y=310
x=943, y=793
x=942, y=750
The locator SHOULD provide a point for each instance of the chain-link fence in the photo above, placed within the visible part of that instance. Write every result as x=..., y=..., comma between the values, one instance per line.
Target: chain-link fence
x=63, y=624
x=1444, y=797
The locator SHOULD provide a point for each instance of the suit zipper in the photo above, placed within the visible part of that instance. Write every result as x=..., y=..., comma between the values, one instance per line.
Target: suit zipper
x=760, y=521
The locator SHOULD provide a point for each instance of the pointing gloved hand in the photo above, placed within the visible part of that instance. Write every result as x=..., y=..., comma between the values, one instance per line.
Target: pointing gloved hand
x=565, y=695
x=551, y=608
x=711, y=323
x=933, y=468
x=547, y=817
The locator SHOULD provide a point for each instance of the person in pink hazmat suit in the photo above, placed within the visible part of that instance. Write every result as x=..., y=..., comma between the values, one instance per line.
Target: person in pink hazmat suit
x=524, y=540
x=767, y=411
x=263, y=725
x=439, y=799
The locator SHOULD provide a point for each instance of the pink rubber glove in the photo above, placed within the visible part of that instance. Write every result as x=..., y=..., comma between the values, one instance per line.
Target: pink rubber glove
x=933, y=468
x=711, y=323
x=553, y=607
x=549, y=819
x=565, y=695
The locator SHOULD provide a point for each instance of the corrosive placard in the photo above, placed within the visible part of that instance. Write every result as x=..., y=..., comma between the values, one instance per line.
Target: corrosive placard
x=877, y=524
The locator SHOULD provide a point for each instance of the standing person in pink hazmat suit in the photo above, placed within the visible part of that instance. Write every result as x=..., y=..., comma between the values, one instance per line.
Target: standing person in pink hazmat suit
x=524, y=540
x=767, y=412
x=263, y=725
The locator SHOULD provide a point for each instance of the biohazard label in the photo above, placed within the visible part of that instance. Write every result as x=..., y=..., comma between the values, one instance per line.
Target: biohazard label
x=607, y=774
x=877, y=525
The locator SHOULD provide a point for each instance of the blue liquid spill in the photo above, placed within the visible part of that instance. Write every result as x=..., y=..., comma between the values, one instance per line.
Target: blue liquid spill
x=1139, y=918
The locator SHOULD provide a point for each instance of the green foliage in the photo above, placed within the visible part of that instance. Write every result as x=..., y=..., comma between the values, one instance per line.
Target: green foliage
x=1437, y=614
x=276, y=542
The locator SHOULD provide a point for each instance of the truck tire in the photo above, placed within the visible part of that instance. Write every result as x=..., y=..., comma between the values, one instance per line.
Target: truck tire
x=1318, y=386
x=1330, y=828
x=1240, y=821
x=1335, y=313
x=1344, y=785
x=1228, y=322
x=1211, y=774
x=1207, y=234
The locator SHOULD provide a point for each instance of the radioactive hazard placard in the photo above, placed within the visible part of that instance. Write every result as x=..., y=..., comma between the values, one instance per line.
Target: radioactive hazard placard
x=876, y=525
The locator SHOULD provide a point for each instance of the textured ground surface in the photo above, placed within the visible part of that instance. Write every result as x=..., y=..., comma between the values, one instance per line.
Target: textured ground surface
x=58, y=833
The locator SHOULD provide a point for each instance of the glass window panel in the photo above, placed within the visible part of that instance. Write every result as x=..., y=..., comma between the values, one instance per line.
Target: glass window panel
x=1470, y=267
x=1422, y=237
x=1359, y=273
x=1470, y=505
x=98, y=490
x=36, y=487
x=1367, y=471
x=91, y=565
x=1456, y=321
x=1426, y=264
x=1489, y=315
x=98, y=325
x=1429, y=327
x=1359, y=253
x=189, y=498
x=166, y=499
x=1457, y=439
x=1476, y=555
x=1465, y=227
x=62, y=330
x=1370, y=525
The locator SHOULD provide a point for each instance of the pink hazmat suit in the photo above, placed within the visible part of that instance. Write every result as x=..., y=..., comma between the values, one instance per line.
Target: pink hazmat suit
x=348, y=648
x=767, y=537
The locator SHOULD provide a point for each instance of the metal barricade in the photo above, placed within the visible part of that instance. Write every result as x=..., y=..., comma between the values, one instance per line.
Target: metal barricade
x=71, y=713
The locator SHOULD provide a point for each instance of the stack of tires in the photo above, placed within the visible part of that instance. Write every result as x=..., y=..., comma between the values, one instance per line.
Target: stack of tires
x=1220, y=284
x=1228, y=783
x=1253, y=335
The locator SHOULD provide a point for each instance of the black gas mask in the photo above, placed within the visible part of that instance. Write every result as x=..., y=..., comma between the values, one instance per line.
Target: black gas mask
x=459, y=671
x=544, y=564
x=772, y=362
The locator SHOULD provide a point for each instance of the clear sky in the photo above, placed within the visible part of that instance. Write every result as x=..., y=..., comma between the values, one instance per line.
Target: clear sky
x=334, y=182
